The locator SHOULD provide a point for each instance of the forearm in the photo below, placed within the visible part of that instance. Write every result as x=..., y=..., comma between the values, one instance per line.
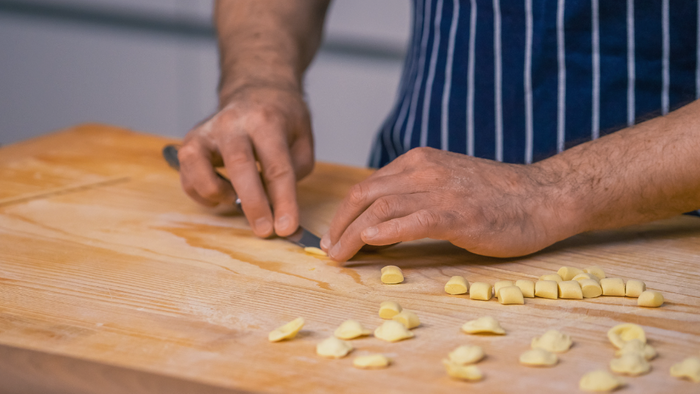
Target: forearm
x=267, y=43
x=646, y=172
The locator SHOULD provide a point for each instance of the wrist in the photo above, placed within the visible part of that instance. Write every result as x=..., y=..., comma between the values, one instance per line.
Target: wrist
x=264, y=72
x=559, y=204
x=230, y=90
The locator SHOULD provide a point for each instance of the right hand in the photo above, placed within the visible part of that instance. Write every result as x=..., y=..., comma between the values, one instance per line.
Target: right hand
x=269, y=125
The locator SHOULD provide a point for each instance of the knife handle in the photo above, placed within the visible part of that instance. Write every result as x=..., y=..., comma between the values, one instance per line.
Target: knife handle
x=170, y=156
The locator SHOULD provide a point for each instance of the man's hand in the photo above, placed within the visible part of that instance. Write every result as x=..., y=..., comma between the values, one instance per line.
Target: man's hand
x=483, y=206
x=264, y=125
x=647, y=172
x=262, y=132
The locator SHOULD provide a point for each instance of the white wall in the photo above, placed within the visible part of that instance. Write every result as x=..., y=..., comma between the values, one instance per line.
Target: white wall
x=57, y=73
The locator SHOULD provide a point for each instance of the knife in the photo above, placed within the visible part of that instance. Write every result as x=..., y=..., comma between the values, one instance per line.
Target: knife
x=301, y=237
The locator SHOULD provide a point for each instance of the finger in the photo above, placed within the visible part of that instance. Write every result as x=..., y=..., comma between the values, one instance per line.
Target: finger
x=242, y=170
x=418, y=225
x=302, y=153
x=199, y=179
x=382, y=210
x=326, y=243
x=280, y=182
x=362, y=195
x=195, y=196
x=396, y=178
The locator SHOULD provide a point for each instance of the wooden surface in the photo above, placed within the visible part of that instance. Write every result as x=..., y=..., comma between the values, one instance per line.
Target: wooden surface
x=104, y=259
x=26, y=371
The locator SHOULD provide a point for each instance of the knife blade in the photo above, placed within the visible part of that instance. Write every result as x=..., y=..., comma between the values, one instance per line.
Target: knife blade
x=301, y=237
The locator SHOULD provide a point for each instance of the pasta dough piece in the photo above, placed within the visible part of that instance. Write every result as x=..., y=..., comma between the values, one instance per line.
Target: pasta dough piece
x=633, y=364
x=392, y=331
x=466, y=354
x=407, y=318
x=651, y=299
x=570, y=289
x=688, y=368
x=595, y=270
x=392, y=275
x=547, y=289
x=583, y=276
x=457, y=285
x=539, y=358
x=590, y=288
x=554, y=277
x=314, y=250
x=287, y=331
x=351, y=329
x=500, y=284
x=483, y=325
x=371, y=361
x=637, y=346
x=568, y=273
x=634, y=288
x=600, y=381
x=527, y=287
x=622, y=333
x=552, y=341
x=480, y=291
x=613, y=287
x=333, y=347
x=389, y=309
x=511, y=295
x=462, y=372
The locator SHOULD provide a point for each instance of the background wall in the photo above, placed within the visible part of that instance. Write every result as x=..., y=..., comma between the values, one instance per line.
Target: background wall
x=152, y=66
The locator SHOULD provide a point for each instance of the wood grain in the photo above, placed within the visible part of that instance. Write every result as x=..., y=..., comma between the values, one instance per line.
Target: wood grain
x=133, y=274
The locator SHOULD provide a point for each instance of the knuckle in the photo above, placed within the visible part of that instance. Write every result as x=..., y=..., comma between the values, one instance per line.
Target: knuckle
x=277, y=171
x=392, y=229
x=265, y=115
x=384, y=208
x=358, y=194
x=237, y=156
x=187, y=153
x=269, y=114
x=419, y=153
x=427, y=219
x=189, y=189
x=225, y=118
x=210, y=191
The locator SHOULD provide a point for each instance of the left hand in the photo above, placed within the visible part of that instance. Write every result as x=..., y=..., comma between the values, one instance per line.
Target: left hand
x=483, y=206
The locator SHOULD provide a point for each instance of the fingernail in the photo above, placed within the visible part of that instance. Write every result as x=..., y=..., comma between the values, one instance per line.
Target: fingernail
x=283, y=222
x=370, y=232
x=335, y=250
x=325, y=242
x=263, y=225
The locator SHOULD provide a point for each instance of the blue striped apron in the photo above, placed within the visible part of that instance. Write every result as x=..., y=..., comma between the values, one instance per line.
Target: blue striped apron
x=521, y=80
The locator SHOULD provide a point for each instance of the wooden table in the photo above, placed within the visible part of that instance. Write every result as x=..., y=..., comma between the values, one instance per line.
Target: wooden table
x=112, y=280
